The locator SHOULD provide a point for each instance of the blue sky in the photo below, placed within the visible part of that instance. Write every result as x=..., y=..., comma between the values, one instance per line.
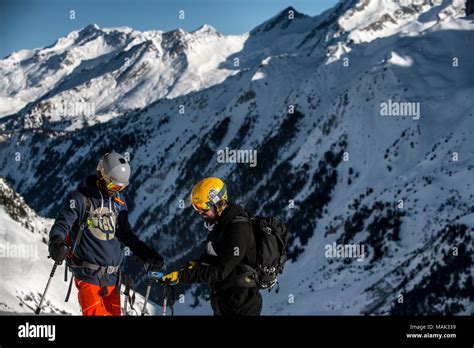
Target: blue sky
x=37, y=23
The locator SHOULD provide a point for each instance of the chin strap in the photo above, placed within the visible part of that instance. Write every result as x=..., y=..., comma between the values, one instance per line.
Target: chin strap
x=116, y=197
x=209, y=226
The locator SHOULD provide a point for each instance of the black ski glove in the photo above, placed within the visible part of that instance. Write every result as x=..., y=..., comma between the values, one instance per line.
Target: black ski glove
x=148, y=255
x=155, y=263
x=57, y=248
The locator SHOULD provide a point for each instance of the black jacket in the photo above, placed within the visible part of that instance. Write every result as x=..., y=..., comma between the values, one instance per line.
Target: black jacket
x=229, y=246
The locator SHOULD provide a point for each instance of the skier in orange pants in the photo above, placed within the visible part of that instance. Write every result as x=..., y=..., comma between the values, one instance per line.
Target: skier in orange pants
x=89, y=232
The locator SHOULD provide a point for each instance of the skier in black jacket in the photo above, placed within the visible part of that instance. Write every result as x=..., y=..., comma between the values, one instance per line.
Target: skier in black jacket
x=230, y=246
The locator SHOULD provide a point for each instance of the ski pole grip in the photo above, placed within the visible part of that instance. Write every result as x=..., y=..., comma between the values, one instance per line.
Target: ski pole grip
x=155, y=275
x=53, y=270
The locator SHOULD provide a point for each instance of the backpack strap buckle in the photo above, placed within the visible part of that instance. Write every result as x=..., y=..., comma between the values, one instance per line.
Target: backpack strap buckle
x=111, y=269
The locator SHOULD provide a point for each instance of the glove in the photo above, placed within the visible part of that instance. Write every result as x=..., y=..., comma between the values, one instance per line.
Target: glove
x=146, y=254
x=170, y=279
x=57, y=249
x=155, y=262
x=191, y=265
x=173, y=277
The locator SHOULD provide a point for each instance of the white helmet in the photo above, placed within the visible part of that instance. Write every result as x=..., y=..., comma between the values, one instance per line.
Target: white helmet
x=114, y=167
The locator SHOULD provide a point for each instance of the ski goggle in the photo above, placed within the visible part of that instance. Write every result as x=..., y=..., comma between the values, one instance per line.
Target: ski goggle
x=202, y=207
x=114, y=187
x=109, y=184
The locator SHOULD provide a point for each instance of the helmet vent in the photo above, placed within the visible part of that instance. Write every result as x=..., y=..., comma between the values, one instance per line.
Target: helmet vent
x=122, y=160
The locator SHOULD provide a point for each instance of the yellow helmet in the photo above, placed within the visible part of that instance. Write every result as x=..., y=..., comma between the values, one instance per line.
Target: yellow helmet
x=209, y=192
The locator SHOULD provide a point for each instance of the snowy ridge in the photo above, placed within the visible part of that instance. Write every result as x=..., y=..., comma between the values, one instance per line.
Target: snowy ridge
x=95, y=74
x=15, y=206
x=109, y=71
x=372, y=19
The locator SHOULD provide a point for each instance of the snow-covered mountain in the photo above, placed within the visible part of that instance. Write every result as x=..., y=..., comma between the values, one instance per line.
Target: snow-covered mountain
x=94, y=74
x=307, y=93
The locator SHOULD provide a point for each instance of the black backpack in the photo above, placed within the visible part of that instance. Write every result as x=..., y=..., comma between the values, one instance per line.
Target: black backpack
x=271, y=238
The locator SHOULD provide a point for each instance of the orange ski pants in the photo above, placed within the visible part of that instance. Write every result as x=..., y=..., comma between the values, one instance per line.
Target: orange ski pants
x=92, y=303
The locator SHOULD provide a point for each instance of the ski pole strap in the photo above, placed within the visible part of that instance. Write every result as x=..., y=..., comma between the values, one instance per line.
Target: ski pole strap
x=129, y=298
x=148, y=289
x=119, y=281
x=69, y=288
x=132, y=301
x=168, y=299
x=171, y=302
x=129, y=289
x=128, y=285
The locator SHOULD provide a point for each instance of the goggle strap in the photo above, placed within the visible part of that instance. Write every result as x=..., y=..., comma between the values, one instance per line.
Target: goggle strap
x=219, y=195
x=214, y=200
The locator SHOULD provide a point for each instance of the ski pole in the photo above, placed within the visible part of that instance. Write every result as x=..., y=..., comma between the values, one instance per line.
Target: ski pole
x=126, y=305
x=165, y=299
x=38, y=309
x=152, y=276
x=148, y=288
x=127, y=295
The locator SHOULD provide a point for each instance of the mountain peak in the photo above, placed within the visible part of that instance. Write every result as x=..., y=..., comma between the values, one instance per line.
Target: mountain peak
x=174, y=35
x=281, y=21
x=205, y=28
x=287, y=14
x=90, y=28
x=288, y=10
x=88, y=31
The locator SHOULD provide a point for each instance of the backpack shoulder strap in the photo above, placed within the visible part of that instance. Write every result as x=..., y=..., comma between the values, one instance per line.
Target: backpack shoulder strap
x=87, y=210
x=240, y=218
x=83, y=224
